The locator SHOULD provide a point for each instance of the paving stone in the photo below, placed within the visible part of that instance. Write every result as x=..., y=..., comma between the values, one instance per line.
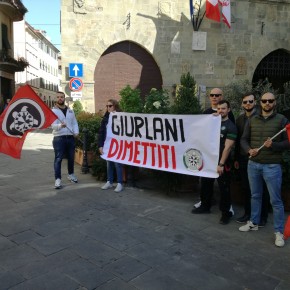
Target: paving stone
x=51, y=281
x=127, y=268
x=39, y=267
x=115, y=239
x=24, y=237
x=86, y=274
x=97, y=252
x=57, y=242
x=18, y=256
x=155, y=280
x=118, y=284
x=9, y=279
x=5, y=243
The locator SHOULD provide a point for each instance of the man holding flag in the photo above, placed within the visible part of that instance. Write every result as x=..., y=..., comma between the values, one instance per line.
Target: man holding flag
x=265, y=163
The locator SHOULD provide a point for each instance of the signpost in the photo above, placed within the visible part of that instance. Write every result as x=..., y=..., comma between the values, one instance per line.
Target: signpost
x=76, y=70
x=76, y=84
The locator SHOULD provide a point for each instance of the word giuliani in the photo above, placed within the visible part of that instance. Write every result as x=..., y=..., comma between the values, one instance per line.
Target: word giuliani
x=158, y=155
x=165, y=128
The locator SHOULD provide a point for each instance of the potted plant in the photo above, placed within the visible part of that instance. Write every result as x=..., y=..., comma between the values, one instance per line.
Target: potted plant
x=89, y=125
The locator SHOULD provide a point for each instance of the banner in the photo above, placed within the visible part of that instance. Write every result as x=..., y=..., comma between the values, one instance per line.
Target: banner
x=25, y=112
x=187, y=144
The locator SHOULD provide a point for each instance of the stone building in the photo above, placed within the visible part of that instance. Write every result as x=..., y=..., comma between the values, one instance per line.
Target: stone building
x=149, y=43
x=10, y=11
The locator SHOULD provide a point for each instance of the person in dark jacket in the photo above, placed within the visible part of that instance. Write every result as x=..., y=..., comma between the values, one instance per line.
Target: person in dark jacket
x=265, y=153
x=207, y=184
x=112, y=106
x=241, y=162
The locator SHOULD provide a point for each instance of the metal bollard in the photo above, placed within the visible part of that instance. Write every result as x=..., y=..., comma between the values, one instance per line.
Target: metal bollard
x=85, y=166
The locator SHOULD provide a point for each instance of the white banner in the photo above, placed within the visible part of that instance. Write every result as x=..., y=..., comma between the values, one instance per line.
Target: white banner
x=187, y=144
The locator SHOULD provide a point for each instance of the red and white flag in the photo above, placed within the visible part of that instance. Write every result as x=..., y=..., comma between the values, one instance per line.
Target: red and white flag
x=226, y=12
x=212, y=10
x=25, y=112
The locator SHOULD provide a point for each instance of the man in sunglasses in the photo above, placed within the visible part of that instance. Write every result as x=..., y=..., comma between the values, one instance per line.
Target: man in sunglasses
x=264, y=164
x=241, y=162
x=207, y=184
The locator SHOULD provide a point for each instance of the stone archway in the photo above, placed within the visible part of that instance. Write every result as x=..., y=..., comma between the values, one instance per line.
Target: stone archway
x=275, y=67
x=124, y=63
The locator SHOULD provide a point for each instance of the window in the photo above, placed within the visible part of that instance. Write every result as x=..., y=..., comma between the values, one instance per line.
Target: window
x=5, y=41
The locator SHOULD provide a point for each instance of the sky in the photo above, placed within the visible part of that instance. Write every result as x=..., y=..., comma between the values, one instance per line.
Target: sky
x=45, y=15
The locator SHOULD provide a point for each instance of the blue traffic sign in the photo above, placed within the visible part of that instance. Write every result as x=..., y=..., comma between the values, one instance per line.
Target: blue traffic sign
x=76, y=84
x=76, y=70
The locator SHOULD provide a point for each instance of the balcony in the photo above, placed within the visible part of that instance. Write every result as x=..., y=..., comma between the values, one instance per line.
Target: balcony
x=10, y=64
x=14, y=9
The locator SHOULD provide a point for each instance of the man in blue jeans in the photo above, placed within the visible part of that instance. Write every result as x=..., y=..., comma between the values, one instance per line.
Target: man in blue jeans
x=65, y=130
x=265, y=163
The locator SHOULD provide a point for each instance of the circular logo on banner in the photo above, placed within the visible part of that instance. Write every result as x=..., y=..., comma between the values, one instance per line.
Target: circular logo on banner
x=76, y=84
x=22, y=115
x=192, y=160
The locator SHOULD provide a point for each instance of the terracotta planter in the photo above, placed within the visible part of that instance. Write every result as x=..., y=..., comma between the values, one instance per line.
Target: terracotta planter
x=79, y=156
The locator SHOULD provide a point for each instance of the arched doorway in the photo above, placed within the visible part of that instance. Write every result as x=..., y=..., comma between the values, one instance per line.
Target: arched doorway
x=275, y=67
x=124, y=63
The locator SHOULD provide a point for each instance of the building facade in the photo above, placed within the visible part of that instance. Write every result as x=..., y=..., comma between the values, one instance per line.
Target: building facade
x=10, y=12
x=151, y=43
x=42, y=74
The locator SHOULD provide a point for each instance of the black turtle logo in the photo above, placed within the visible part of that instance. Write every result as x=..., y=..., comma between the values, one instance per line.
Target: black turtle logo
x=22, y=115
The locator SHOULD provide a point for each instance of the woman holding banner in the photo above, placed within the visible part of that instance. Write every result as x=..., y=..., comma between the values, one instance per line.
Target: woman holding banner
x=112, y=106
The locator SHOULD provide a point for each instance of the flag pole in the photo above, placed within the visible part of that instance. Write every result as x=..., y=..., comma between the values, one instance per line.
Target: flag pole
x=262, y=146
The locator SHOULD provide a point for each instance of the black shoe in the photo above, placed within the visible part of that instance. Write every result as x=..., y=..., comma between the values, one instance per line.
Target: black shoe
x=262, y=223
x=200, y=210
x=225, y=219
x=243, y=219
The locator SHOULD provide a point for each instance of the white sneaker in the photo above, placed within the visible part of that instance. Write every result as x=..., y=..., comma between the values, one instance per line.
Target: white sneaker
x=57, y=184
x=249, y=226
x=279, y=239
x=197, y=205
x=72, y=178
x=107, y=185
x=119, y=187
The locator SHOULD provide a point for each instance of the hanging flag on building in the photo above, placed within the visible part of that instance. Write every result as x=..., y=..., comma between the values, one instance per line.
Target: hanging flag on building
x=25, y=112
x=226, y=12
x=212, y=10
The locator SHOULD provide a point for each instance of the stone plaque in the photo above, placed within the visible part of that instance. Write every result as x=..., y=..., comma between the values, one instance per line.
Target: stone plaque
x=222, y=49
x=209, y=68
x=241, y=66
x=199, y=40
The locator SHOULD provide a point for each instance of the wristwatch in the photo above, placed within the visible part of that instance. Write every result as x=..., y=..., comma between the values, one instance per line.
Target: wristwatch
x=221, y=165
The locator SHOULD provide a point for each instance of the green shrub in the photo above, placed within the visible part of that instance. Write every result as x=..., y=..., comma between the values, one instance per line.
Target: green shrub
x=90, y=122
x=131, y=101
x=157, y=102
x=77, y=107
x=186, y=101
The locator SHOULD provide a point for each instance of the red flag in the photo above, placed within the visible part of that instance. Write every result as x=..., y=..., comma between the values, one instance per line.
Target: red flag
x=212, y=10
x=25, y=112
x=288, y=131
x=287, y=228
x=226, y=12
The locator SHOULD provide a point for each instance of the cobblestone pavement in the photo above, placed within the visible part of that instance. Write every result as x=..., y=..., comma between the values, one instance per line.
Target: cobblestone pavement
x=82, y=237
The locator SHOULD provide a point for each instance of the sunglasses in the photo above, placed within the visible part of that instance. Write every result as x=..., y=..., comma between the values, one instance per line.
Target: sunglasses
x=109, y=106
x=248, y=102
x=215, y=95
x=270, y=101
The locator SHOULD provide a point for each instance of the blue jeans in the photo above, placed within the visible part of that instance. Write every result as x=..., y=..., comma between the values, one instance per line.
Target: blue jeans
x=272, y=174
x=110, y=171
x=64, y=146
